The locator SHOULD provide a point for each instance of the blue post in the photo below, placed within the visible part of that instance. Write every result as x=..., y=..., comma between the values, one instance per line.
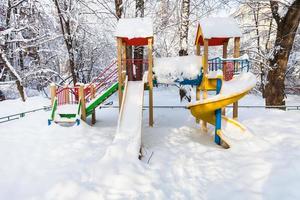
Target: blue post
x=218, y=114
x=49, y=122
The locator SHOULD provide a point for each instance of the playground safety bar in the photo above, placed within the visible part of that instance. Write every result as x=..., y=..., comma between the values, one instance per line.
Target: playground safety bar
x=22, y=114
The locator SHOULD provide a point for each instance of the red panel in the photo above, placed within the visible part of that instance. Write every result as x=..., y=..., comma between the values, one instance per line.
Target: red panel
x=214, y=41
x=136, y=41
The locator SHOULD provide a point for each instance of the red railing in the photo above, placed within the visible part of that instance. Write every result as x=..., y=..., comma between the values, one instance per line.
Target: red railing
x=108, y=76
x=66, y=95
x=70, y=95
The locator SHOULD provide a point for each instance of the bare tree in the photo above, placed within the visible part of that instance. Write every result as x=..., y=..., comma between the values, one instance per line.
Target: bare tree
x=287, y=25
x=184, y=28
x=63, y=9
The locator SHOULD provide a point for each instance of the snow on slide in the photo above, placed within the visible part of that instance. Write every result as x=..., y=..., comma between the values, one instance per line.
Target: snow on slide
x=239, y=84
x=127, y=141
x=233, y=132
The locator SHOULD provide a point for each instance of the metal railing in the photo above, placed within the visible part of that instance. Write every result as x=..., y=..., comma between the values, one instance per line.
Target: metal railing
x=287, y=108
x=22, y=114
x=47, y=108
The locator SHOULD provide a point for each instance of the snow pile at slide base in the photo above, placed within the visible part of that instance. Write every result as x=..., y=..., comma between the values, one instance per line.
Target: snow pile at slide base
x=170, y=69
x=64, y=163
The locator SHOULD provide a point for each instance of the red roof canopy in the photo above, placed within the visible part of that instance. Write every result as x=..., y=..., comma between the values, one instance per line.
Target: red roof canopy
x=213, y=41
x=136, y=41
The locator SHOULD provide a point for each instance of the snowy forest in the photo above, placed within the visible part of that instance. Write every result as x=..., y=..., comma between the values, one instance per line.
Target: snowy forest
x=70, y=41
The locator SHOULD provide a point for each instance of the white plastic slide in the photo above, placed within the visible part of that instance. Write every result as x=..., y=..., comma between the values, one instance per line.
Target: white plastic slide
x=127, y=141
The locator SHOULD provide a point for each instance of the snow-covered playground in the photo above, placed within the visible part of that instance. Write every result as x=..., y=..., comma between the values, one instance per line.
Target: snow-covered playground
x=208, y=125
x=181, y=161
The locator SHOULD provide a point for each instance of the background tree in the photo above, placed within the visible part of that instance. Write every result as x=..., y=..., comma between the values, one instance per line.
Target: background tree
x=184, y=28
x=287, y=18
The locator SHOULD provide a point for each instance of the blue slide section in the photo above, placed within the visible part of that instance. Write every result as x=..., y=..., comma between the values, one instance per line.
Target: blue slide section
x=194, y=82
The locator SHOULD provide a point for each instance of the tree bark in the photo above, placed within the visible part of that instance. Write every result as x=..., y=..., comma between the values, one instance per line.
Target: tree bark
x=119, y=8
x=14, y=74
x=139, y=50
x=286, y=31
x=184, y=28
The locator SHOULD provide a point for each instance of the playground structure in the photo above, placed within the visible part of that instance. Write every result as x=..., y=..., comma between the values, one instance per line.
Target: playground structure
x=130, y=78
x=70, y=104
x=230, y=85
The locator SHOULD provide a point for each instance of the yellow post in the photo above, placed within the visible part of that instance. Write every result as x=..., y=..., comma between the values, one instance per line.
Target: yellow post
x=150, y=80
x=198, y=53
x=198, y=50
x=205, y=72
x=93, y=91
x=82, y=100
x=236, y=55
x=119, y=63
x=52, y=92
x=198, y=91
x=225, y=54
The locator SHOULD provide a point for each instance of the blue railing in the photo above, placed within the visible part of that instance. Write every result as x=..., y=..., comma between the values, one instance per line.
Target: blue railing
x=235, y=65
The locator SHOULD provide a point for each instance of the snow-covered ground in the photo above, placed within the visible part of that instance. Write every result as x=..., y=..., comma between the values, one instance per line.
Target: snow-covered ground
x=181, y=162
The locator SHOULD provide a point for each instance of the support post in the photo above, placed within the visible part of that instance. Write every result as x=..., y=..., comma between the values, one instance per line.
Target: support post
x=150, y=80
x=225, y=54
x=198, y=91
x=124, y=61
x=93, y=91
x=52, y=92
x=119, y=63
x=198, y=50
x=82, y=100
x=205, y=72
x=218, y=114
x=236, y=55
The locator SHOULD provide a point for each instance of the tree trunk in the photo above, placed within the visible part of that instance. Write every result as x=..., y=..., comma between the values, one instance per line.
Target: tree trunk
x=119, y=8
x=286, y=31
x=139, y=50
x=184, y=28
x=66, y=31
x=14, y=74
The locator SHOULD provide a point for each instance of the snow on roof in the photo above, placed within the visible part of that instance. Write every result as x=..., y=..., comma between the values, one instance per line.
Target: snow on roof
x=170, y=69
x=220, y=27
x=134, y=28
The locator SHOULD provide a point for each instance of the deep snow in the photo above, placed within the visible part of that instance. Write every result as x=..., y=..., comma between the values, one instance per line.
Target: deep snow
x=41, y=162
